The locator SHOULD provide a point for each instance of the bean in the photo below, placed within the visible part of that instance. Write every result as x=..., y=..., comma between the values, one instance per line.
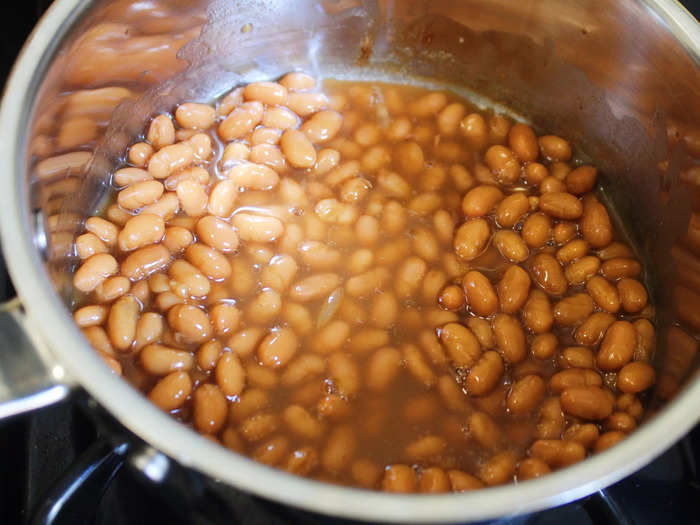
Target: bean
x=579, y=271
x=166, y=207
x=586, y=402
x=270, y=93
x=572, y=250
x=409, y=158
x=523, y=142
x=511, y=245
x=367, y=283
x=195, y=116
x=607, y=440
x=596, y=227
x=480, y=295
x=264, y=307
x=94, y=271
x=88, y=244
x=504, y=164
x=585, y=434
x=581, y=180
x=191, y=322
x=399, y=479
x=574, y=377
x=557, y=453
x=241, y=121
x=314, y=287
x=471, y=239
x=298, y=149
x=537, y=313
x=574, y=309
x=604, y=294
x=409, y=276
x=511, y=209
x=128, y=176
x=259, y=426
x=339, y=450
x=176, y=239
x=554, y=148
x=230, y=374
x=561, y=205
x=302, y=423
x=427, y=105
x=635, y=377
x=461, y=481
x=479, y=201
x=140, y=231
x=620, y=268
x=140, y=194
x=452, y=298
x=169, y=159
x=618, y=346
x=513, y=289
x=217, y=233
x=172, y=391
x=383, y=368
x=525, y=394
x=298, y=81
x=462, y=345
x=510, y=338
x=161, y=131
x=531, y=468
x=122, y=320
x=498, y=469
x=417, y=365
x=633, y=296
x=485, y=374
x=646, y=340
x=537, y=230
x=91, y=315
x=544, y=345
x=209, y=261
x=551, y=185
x=278, y=348
x=547, y=273
x=139, y=154
x=425, y=448
x=306, y=104
x=577, y=357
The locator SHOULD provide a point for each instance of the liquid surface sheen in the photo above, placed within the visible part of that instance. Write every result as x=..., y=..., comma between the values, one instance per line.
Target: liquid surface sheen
x=369, y=284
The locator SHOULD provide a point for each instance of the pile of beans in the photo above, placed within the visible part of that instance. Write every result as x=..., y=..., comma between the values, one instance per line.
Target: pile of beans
x=378, y=286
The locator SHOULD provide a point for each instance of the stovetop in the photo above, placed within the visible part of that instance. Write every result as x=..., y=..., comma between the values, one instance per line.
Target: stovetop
x=57, y=469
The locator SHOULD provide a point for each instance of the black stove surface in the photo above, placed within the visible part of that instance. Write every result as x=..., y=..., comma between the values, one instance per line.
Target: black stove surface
x=57, y=469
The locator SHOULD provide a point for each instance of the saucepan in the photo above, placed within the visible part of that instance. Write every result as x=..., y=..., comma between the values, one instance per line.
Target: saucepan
x=620, y=79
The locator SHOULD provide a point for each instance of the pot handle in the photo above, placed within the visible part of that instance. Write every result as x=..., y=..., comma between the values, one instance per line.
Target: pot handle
x=29, y=379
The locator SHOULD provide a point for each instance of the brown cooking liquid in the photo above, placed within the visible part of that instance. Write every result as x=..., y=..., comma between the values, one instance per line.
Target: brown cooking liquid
x=382, y=424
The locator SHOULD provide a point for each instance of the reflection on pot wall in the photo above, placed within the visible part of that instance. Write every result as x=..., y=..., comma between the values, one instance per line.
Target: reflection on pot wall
x=603, y=75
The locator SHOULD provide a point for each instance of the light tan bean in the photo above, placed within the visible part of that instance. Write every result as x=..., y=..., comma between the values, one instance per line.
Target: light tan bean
x=306, y=104
x=278, y=347
x=561, y=205
x=209, y=261
x=481, y=297
x=340, y=449
x=298, y=81
x=94, y=271
x=161, y=131
x=195, y=116
x=166, y=207
x=230, y=374
x=302, y=423
x=172, y=391
x=596, y=227
x=617, y=348
x=241, y=121
x=314, y=287
x=462, y=345
x=331, y=337
x=162, y=360
x=510, y=338
x=417, y=365
x=525, y=394
x=191, y=322
x=139, y=154
x=169, y=159
x=511, y=245
x=298, y=149
x=344, y=373
x=586, y=402
x=485, y=374
x=471, y=239
x=149, y=329
x=176, y=239
x=548, y=274
x=409, y=276
x=537, y=230
x=573, y=309
x=633, y=295
x=122, y=320
x=140, y=231
x=513, y=289
x=504, y=164
x=140, y=194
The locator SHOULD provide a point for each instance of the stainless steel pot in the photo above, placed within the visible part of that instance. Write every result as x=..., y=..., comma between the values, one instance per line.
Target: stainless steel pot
x=618, y=78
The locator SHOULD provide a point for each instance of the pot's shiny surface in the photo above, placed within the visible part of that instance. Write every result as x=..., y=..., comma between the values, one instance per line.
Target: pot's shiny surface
x=602, y=74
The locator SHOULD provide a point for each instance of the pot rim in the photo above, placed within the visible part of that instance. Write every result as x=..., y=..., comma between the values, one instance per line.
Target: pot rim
x=55, y=326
